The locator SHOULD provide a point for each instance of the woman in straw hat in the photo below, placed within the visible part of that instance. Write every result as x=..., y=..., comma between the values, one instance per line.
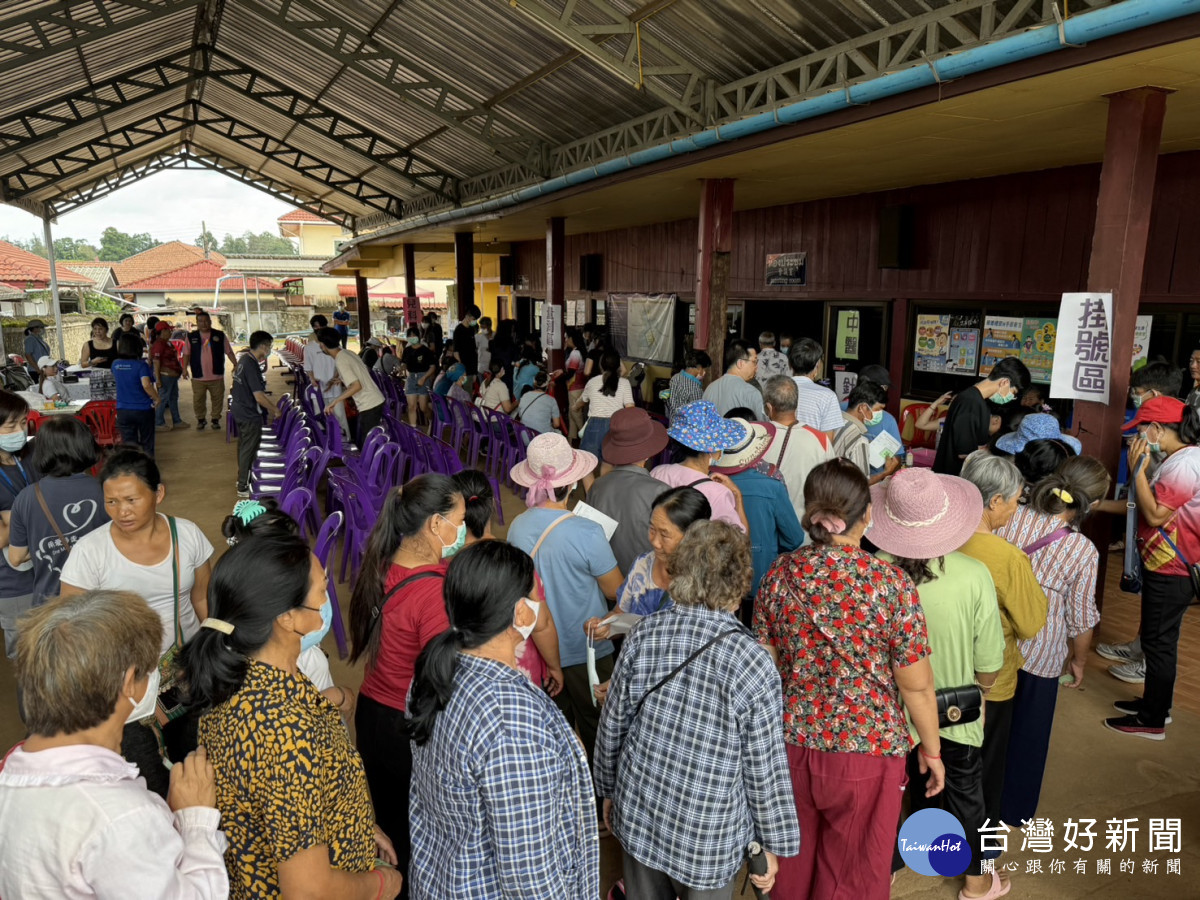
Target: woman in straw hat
x=854, y=653
x=921, y=519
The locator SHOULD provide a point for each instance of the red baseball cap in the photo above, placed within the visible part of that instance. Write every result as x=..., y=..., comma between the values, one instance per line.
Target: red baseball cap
x=1164, y=410
x=164, y=326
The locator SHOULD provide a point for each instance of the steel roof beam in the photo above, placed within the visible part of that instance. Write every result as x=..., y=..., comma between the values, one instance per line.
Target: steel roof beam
x=35, y=39
x=25, y=128
x=347, y=183
x=204, y=37
x=390, y=155
x=113, y=181
x=389, y=67
x=626, y=63
x=37, y=176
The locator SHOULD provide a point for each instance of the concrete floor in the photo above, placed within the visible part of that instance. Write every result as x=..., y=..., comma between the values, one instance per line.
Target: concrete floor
x=1092, y=773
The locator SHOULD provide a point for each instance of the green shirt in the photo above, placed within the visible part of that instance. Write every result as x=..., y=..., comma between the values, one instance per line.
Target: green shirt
x=965, y=636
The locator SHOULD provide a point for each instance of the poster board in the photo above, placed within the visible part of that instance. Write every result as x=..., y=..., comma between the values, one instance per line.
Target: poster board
x=1037, y=347
x=1082, y=364
x=932, y=344
x=1141, y=341
x=641, y=326
x=552, y=326
x=1002, y=336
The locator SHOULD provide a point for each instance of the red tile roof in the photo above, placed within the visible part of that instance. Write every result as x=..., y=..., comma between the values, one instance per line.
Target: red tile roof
x=303, y=215
x=200, y=276
x=159, y=260
x=23, y=269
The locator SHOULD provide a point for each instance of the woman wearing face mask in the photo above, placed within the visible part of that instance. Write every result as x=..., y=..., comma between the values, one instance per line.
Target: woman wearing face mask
x=290, y=787
x=1169, y=537
x=166, y=560
x=396, y=609
x=502, y=800
x=699, y=437
x=421, y=365
x=17, y=472
x=76, y=819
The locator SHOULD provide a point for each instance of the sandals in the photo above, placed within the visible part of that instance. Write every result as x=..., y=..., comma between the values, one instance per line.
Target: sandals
x=999, y=889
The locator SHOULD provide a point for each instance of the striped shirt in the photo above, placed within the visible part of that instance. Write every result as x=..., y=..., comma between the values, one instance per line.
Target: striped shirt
x=684, y=388
x=1066, y=570
x=816, y=405
x=600, y=405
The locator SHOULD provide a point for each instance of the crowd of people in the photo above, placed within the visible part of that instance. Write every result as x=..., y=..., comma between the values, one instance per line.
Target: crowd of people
x=754, y=641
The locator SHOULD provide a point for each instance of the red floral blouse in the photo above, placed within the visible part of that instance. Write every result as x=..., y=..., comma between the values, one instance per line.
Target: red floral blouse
x=841, y=619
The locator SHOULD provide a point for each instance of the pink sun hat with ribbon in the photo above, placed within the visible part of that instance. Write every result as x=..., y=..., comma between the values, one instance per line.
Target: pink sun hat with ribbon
x=919, y=514
x=551, y=463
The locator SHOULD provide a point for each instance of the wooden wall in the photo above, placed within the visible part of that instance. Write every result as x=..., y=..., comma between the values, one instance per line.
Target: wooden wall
x=1023, y=237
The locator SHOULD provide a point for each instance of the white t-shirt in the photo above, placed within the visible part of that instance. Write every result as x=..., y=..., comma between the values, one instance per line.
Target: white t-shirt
x=321, y=369
x=495, y=393
x=352, y=369
x=315, y=664
x=95, y=563
x=601, y=406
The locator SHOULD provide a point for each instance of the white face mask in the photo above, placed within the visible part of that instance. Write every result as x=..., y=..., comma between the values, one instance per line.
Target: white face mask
x=144, y=708
x=526, y=630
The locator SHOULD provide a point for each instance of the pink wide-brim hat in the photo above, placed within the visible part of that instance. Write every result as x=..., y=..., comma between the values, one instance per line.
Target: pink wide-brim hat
x=919, y=514
x=550, y=462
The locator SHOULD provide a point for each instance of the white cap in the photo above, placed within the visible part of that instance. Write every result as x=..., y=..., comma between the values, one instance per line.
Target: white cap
x=47, y=361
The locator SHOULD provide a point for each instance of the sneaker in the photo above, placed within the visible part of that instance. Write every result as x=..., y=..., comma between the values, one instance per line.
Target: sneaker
x=1133, y=672
x=1132, y=725
x=1132, y=708
x=1121, y=652
x=216, y=424
x=183, y=424
x=201, y=425
x=243, y=492
x=162, y=427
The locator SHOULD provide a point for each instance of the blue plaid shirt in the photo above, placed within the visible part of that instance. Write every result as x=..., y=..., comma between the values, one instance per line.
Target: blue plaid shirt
x=501, y=802
x=702, y=770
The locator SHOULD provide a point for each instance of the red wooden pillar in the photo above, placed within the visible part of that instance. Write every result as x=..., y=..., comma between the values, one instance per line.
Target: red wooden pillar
x=410, y=271
x=464, y=274
x=364, y=308
x=897, y=353
x=1123, y=208
x=1135, y=120
x=556, y=280
x=713, y=246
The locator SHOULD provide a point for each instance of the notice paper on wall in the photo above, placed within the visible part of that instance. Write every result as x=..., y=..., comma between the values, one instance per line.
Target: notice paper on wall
x=882, y=448
x=843, y=383
x=552, y=326
x=848, y=323
x=1082, y=359
x=1141, y=341
x=608, y=523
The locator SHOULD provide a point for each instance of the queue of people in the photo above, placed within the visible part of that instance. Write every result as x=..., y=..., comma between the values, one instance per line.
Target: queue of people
x=809, y=646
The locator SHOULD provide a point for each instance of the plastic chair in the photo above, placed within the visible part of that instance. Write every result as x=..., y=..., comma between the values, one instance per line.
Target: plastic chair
x=910, y=433
x=100, y=416
x=443, y=422
x=323, y=550
x=299, y=505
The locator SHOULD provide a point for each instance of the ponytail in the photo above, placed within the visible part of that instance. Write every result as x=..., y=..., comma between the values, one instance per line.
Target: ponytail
x=1078, y=483
x=483, y=585
x=610, y=364
x=214, y=663
x=405, y=511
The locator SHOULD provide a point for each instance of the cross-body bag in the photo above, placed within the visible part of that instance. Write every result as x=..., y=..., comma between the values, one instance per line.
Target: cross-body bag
x=683, y=665
x=41, y=499
x=170, y=703
x=525, y=407
x=1193, y=568
x=377, y=611
x=1046, y=540
x=1131, y=571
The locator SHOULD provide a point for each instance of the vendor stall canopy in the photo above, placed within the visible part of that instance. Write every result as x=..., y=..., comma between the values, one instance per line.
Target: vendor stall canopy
x=370, y=111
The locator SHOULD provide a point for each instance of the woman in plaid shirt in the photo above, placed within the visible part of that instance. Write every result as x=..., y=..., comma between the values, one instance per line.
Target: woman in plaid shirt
x=501, y=803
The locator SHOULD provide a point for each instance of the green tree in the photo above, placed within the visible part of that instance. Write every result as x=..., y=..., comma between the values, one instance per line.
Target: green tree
x=206, y=241
x=116, y=245
x=265, y=243
x=234, y=245
x=64, y=247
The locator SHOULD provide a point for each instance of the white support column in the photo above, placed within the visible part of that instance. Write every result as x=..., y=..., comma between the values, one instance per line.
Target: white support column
x=58, y=325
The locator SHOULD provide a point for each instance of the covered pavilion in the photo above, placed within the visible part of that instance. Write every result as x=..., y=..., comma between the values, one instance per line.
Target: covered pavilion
x=920, y=156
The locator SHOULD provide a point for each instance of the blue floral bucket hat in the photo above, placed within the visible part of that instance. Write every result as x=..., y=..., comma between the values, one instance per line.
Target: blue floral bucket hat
x=1035, y=427
x=700, y=427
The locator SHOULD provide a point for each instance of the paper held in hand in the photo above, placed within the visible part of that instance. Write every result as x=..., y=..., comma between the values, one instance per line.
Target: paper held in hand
x=608, y=523
x=620, y=623
x=882, y=448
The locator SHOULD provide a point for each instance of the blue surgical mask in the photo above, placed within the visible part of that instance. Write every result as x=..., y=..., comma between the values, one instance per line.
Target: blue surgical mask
x=313, y=638
x=11, y=443
x=460, y=538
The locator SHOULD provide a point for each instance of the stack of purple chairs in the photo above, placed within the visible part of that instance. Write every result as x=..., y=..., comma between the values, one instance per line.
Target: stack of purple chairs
x=326, y=538
x=442, y=425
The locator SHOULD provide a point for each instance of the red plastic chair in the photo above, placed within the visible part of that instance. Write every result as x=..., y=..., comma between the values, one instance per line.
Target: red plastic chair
x=100, y=416
x=35, y=421
x=913, y=436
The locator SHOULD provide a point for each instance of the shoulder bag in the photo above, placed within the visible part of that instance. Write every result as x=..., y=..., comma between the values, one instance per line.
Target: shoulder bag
x=683, y=665
x=41, y=499
x=1193, y=568
x=377, y=611
x=170, y=705
x=958, y=705
x=1046, y=540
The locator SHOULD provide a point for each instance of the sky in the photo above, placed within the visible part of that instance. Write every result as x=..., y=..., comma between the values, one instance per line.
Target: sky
x=169, y=205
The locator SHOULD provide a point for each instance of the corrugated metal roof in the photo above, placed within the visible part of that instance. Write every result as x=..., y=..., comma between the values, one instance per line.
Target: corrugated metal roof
x=450, y=90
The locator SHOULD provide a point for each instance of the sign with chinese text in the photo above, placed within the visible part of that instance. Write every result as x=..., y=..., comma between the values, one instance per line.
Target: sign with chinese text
x=1001, y=339
x=412, y=310
x=1082, y=361
x=552, y=326
x=848, y=324
x=1037, y=348
x=1141, y=341
x=933, y=343
x=787, y=268
x=962, y=357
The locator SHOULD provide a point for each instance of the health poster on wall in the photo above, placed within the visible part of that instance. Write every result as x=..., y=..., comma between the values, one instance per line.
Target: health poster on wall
x=1141, y=341
x=962, y=357
x=933, y=343
x=847, y=333
x=1037, y=348
x=1001, y=339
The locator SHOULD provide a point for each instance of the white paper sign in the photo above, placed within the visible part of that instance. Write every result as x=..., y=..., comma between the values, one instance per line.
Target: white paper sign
x=552, y=326
x=1141, y=340
x=1082, y=354
x=608, y=523
x=843, y=383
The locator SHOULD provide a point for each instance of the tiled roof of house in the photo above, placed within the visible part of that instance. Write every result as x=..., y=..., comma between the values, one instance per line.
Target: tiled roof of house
x=303, y=215
x=158, y=260
x=23, y=269
x=202, y=275
x=96, y=273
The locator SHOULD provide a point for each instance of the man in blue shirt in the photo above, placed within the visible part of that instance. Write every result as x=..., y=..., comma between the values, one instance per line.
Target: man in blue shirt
x=341, y=321
x=879, y=375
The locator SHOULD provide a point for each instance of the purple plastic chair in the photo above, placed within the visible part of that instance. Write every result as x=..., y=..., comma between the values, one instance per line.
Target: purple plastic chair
x=443, y=423
x=299, y=505
x=323, y=550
